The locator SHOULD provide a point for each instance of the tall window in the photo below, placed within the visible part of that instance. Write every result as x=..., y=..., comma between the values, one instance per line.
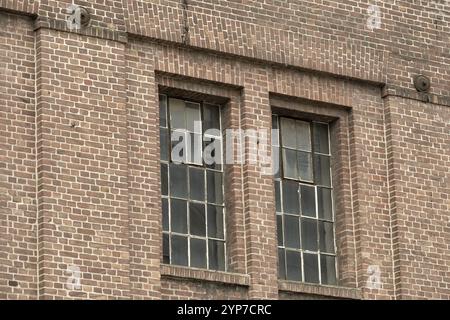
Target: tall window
x=304, y=206
x=192, y=184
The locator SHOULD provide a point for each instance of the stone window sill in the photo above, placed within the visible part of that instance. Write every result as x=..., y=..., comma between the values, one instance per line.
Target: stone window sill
x=170, y=271
x=320, y=290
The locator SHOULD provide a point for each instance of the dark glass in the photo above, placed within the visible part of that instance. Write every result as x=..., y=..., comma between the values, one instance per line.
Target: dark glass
x=309, y=234
x=216, y=255
x=164, y=180
x=166, y=248
x=290, y=169
x=305, y=168
x=197, y=222
x=198, y=253
x=311, y=266
x=211, y=117
x=321, y=141
x=163, y=111
x=179, y=250
x=215, y=222
x=178, y=181
x=308, y=200
x=322, y=170
x=293, y=265
x=328, y=269
x=290, y=197
x=197, y=184
x=165, y=214
x=164, y=144
x=214, y=187
x=326, y=237
x=324, y=200
x=277, y=196
x=291, y=232
x=178, y=212
x=281, y=264
x=280, y=229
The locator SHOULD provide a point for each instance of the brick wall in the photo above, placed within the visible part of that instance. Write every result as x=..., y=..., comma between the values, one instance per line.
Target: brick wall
x=79, y=145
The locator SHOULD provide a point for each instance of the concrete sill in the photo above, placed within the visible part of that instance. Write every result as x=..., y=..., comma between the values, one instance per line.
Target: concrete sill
x=170, y=271
x=320, y=290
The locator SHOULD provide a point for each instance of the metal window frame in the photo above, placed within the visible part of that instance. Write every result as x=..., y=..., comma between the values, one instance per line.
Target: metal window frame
x=280, y=180
x=205, y=202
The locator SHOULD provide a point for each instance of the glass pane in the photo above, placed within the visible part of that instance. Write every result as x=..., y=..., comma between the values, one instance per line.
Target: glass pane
x=177, y=114
x=211, y=117
x=193, y=119
x=163, y=110
x=288, y=133
x=178, y=215
x=179, y=146
x=309, y=234
x=197, y=184
x=303, y=131
x=216, y=255
x=166, y=248
x=276, y=165
x=281, y=264
x=305, y=166
x=197, y=221
x=328, y=269
x=290, y=197
x=179, y=250
x=212, y=153
x=326, y=237
x=321, y=141
x=195, y=147
x=290, y=164
x=311, y=266
x=165, y=214
x=291, y=232
x=277, y=196
x=293, y=265
x=198, y=253
x=164, y=180
x=214, y=187
x=280, y=229
x=178, y=181
x=275, y=132
x=325, y=203
x=322, y=170
x=164, y=144
x=308, y=200
x=215, y=222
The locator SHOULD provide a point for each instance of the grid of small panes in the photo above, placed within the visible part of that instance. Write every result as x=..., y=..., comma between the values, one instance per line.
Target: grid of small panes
x=304, y=201
x=193, y=213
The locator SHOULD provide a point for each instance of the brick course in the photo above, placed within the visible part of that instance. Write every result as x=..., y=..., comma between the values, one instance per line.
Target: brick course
x=79, y=142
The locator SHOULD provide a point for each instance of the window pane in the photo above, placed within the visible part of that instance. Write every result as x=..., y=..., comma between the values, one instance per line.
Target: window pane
x=280, y=229
x=214, y=187
x=277, y=196
x=166, y=248
x=215, y=222
x=293, y=265
x=308, y=200
x=211, y=117
x=328, y=269
x=197, y=222
x=309, y=234
x=165, y=214
x=288, y=133
x=179, y=146
x=311, y=268
x=325, y=203
x=322, y=170
x=303, y=132
x=291, y=232
x=195, y=147
x=177, y=114
x=212, y=148
x=290, y=197
x=164, y=144
x=326, y=237
x=193, y=119
x=178, y=181
x=290, y=164
x=321, y=144
x=281, y=264
x=163, y=111
x=197, y=184
x=304, y=163
x=198, y=253
x=275, y=132
x=178, y=213
x=216, y=251
x=179, y=250
x=164, y=180
x=276, y=165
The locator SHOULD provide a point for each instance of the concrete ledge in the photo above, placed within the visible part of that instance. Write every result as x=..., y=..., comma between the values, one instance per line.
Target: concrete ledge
x=185, y=273
x=320, y=290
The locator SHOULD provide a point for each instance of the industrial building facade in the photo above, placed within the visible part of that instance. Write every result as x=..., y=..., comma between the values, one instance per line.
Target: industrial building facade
x=335, y=115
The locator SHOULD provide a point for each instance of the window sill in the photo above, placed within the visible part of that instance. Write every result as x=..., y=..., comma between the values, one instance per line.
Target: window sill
x=320, y=290
x=170, y=271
